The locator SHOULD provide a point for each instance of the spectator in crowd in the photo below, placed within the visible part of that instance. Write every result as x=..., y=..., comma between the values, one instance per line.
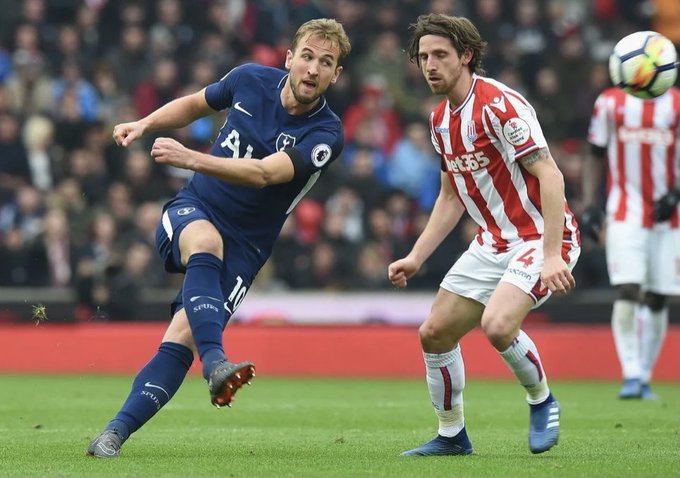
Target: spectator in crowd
x=22, y=263
x=145, y=180
x=413, y=162
x=23, y=214
x=362, y=175
x=369, y=274
x=14, y=168
x=89, y=169
x=177, y=35
x=38, y=140
x=57, y=248
x=29, y=89
x=125, y=283
x=92, y=263
x=84, y=94
x=291, y=258
x=130, y=57
x=161, y=88
x=373, y=113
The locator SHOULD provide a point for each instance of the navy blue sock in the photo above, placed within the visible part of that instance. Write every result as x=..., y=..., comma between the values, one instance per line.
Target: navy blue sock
x=204, y=305
x=153, y=387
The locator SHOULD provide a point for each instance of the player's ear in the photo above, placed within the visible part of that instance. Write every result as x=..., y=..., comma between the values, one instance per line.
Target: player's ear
x=338, y=70
x=289, y=59
x=466, y=57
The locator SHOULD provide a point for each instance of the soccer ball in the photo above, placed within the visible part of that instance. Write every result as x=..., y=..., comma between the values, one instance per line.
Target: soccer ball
x=643, y=64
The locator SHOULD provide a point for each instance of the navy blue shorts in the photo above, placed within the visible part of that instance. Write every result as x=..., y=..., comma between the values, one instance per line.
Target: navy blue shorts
x=240, y=265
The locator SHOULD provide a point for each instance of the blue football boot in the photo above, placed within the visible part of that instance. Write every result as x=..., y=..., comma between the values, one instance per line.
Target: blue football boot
x=440, y=445
x=631, y=388
x=544, y=425
x=646, y=392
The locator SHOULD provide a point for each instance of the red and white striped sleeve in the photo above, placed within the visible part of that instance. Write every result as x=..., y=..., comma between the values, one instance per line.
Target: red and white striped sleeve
x=598, y=133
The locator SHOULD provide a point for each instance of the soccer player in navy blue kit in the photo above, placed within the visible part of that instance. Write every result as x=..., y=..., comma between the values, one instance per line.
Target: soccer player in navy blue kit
x=219, y=230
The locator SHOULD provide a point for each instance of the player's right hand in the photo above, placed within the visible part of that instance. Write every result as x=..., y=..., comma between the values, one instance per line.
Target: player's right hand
x=125, y=133
x=401, y=270
x=591, y=223
x=665, y=205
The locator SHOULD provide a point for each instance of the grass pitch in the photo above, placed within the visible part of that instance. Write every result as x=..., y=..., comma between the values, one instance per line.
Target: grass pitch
x=328, y=428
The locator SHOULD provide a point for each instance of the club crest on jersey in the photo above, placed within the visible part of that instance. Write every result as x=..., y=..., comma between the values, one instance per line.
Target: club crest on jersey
x=321, y=153
x=516, y=131
x=471, y=131
x=284, y=141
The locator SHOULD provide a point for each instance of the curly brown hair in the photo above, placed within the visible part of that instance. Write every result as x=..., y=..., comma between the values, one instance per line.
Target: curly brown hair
x=460, y=31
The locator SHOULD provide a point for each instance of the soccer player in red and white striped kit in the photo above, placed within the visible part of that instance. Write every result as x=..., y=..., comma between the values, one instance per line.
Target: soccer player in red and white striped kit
x=495, y=165
x=639, y=142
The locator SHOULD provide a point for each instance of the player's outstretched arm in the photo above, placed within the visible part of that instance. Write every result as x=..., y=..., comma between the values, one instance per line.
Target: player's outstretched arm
x=175, y=114
x=555, y=274
x=446, y=213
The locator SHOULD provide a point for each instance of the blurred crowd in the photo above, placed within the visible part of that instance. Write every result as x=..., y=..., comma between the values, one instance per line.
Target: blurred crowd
x=77, y=211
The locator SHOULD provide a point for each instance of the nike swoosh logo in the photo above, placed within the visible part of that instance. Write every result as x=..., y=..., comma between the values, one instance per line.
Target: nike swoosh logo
x=196, y=297
x=151, y=385
x=238, y=107
x=106, y=450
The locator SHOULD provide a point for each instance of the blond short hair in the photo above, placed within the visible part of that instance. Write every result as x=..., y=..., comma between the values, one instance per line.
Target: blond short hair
x=328, y=29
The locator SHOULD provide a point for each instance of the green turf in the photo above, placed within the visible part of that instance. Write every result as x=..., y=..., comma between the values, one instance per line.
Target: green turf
x=293, y=427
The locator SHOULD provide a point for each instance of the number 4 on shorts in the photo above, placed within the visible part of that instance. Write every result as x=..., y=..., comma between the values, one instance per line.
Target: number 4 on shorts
x=526, y=258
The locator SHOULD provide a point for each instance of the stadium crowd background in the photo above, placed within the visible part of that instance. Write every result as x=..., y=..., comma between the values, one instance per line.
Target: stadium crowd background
x=78, y=212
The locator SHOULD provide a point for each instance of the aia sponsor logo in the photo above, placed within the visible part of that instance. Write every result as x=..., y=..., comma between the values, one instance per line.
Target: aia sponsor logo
x=466, y=163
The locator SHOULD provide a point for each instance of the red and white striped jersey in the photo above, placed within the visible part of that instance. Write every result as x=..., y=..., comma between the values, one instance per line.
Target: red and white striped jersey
x=480, y=142
x=643, y=151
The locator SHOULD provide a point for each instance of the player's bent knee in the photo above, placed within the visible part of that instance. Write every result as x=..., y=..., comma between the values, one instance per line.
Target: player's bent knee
x=499, y=331
x=629, y=292
x=200, y=236
x=655, y=302
x=212, y=244
x=434, y=337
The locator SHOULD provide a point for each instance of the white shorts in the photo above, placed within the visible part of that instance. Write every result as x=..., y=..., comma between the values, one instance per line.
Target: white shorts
x=648, y=257
x=478, y=271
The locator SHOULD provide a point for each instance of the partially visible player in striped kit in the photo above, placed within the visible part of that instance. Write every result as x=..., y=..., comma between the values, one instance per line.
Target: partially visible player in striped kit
x=639, y=142
x=496, y=166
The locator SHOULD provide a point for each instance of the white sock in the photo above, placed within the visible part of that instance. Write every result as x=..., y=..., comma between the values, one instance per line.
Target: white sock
x=523, y=360
x=626, y=338
x=653, y=326
x=445, y=381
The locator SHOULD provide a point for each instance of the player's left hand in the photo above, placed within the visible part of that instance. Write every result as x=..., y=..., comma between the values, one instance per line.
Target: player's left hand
x=665, y=205
x=556, y=275
x=172, y=152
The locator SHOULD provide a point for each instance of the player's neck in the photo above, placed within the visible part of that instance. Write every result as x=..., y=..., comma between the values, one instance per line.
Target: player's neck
x=292, y=105
x=460, y=91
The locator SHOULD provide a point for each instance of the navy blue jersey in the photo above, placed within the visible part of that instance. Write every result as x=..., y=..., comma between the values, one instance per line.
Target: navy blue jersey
x=257, y=125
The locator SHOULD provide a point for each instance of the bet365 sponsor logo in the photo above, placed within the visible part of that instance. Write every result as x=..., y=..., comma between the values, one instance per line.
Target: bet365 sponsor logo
x=466, y=163
x=662, y=137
